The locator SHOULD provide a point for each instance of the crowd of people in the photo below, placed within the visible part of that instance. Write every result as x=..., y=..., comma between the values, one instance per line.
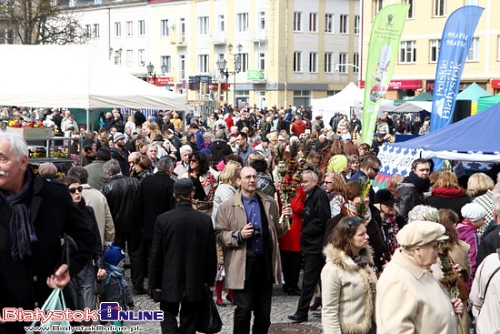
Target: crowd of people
x=246, y=199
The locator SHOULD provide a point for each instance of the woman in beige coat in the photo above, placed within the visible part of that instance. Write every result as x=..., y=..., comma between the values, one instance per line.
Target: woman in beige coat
x=409, y=298
x=348, y=280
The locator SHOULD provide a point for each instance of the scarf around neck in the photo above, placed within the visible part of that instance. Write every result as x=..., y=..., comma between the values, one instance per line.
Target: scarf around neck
x=420, y=184
x=22, y=232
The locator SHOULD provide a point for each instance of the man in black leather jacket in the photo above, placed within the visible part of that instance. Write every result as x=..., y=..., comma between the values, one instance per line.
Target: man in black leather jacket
x=124, y=197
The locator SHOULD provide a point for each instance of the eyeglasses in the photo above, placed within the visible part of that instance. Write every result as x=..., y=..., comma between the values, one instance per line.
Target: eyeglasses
x=354, y=220
x=436, y=245
x=73, y=190
x=376, y=170
x=193, y=160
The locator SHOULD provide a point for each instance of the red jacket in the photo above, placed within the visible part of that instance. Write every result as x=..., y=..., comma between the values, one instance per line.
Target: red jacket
x=298, y=127
x=291, y=240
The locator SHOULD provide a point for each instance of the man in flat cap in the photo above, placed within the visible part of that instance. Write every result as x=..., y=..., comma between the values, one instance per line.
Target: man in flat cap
x=183, y=260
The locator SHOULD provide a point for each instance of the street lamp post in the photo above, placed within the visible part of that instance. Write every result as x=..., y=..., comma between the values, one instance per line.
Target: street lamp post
x=221, y=65
x=150, y=68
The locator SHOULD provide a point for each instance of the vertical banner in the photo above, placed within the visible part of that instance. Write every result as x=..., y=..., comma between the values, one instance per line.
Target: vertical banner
x=383, y=51
x=453, y=49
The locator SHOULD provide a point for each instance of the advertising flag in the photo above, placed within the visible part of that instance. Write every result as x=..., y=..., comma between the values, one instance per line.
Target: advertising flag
x=455, y=43
x=383, y=50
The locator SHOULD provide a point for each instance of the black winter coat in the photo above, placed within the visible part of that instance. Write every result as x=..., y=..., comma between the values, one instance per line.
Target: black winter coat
x=183, y=257
x=23, y=283
x=316, y=213
x=157, y=197
x=220, y=149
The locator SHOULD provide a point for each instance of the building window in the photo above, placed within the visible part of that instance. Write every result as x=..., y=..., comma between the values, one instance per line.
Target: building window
x=203, y=25
x=262, y=62
x=130, y=31
x=313, y=62
x=329, y=23
x=262, y=20
x=411, y=11
x=142, y=27
x=118, y=29
x=342, y=65
x=313, y=22
x=344, y=24
x=297, y=21
x=329, y=62
x=242, y=22
x=357, y=24
x=408, y=52
x=96, y=30
x=244, y=61
x=203, y=64
x=164, y=28
x=130, y=58
x=221, y=24
x=165, y=60
x=355, y=62
x=182, y=67
x=434, y=50
x=498, y=48
x=297, y=61
x=118, y=57
x=439, y=7
x=377, y=6
x=88, y=31
x=142, y=57
x=473, y=54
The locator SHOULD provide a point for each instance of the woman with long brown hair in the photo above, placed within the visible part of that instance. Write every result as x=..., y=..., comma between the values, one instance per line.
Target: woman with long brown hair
x=347, y=280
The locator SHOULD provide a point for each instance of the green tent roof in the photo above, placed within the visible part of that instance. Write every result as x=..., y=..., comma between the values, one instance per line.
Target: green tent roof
x=473, y=93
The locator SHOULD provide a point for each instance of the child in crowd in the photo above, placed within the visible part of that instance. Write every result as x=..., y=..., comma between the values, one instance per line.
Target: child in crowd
x=114, y=288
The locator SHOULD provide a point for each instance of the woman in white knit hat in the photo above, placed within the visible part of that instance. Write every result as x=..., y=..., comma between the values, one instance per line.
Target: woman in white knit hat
x=473, y=214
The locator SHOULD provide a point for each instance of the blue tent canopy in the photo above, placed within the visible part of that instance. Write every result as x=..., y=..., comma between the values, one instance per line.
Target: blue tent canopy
x=471, y=139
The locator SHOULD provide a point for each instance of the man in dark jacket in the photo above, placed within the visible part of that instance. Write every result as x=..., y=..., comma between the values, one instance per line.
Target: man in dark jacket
x=120, y=153
x=411, y=190
x=124, y=198
x=491, y=241
x=157, y=198
x=183, y=261
x=219, y=148
x=316, y=213
x=34, y=214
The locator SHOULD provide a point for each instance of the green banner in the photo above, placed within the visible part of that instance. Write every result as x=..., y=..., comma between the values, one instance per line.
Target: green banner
x=383, y=51
x=255, y=75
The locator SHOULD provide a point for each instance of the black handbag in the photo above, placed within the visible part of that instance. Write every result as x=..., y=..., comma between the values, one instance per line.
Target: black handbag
x=209, y=321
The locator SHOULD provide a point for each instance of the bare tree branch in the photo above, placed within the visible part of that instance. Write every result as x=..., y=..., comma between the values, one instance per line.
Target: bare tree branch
x=40, y=22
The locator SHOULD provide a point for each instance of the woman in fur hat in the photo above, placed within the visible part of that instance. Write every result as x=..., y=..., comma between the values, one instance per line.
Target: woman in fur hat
x=348, y=280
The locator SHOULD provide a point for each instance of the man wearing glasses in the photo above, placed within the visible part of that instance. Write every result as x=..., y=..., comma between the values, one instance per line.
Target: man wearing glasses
x=369, y=168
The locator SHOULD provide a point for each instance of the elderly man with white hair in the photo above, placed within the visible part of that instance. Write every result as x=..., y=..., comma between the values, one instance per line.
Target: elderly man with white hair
x=183, y=165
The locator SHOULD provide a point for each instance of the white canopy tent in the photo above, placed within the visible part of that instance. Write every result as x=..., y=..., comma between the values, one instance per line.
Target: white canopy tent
x=77, y=76
x=351, y=96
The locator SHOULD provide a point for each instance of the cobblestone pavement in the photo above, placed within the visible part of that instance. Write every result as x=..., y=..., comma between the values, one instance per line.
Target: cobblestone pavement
x=282, y=305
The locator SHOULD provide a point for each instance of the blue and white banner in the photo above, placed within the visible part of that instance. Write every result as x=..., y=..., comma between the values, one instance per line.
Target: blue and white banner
x=455, y=43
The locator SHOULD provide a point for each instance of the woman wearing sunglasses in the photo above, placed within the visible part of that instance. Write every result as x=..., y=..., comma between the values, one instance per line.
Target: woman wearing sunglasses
x=348, y=280
x=81, y=287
